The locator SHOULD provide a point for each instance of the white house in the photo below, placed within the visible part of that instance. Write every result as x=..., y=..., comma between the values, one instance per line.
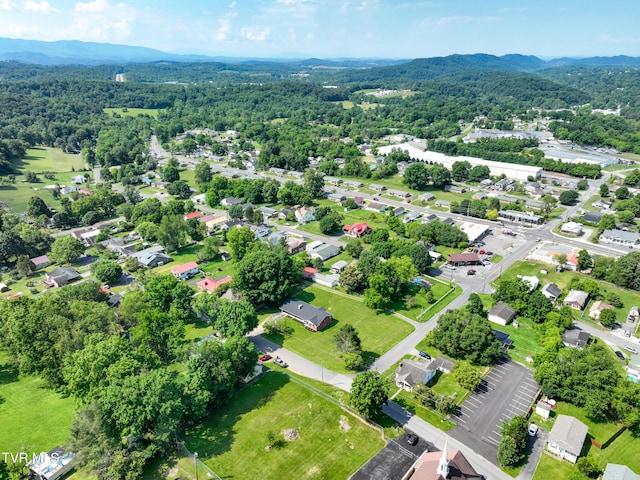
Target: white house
x=572, y=228
x=620, y=237
x=567, y=438
x=501, y=313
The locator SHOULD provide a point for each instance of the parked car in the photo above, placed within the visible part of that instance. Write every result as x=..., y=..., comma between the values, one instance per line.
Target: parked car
x=424, y=355
x=280, y=362
x=619, y=354
x=630, y=349
x=488, y=253
x=412, y=438
x=265, y=358
x=481, y=252
x=449, y=266
x=471, y=272
x=533, y=429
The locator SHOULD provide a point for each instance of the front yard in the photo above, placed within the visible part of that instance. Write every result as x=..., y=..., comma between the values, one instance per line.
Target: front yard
x=378, y=332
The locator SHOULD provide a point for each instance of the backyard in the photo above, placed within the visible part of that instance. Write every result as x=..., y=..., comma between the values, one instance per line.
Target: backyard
x=378, y=332
x=331, y=443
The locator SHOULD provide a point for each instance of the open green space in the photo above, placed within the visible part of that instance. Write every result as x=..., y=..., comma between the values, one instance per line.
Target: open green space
x=525, y=339
x=331, y=442
x=48, y=159
x=378, y=331
x=32, y=418
x=415, y=305
x=551, y=467
x=132, y=112
x=600, y=431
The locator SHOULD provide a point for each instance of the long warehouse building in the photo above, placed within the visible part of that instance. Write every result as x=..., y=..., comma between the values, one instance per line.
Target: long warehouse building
x=511, y=170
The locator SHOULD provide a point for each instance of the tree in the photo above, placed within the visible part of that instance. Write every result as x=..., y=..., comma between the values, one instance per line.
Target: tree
x=180, y=189
x=353, y=361
x=210, y=249
x=107, y=271
x=604, y=190
x=607, y=222
x=467, y=376
x=234, y=319
x=514, y=441
x=416, y=176
x=350, y=204
x=202, y=174
x=460, y=171
x=607, y=317
x=314, y=182
x=170, y=174
x=160, y=332
x=37, y=207
x=582, y=185
x=368, y=394
x=266, y=275
x=440, y=176
x=354, y=247
x=585, y=262
x=239, y=240
x=66, y=249
x=479, y=173
x=172, y=232
x=537, y=306
x=24, y=266
x=347, y=340
x=622, y=193
x=352, y=278
x=330, y=223
x=508, y=452
x=379, y=293
x=421, y=258
x=235, y=211
x=626, y=216
x=568, y=197
x=475, y=305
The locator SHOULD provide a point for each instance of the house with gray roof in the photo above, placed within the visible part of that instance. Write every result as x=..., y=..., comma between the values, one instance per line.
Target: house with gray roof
x=592, y=217
x=567, y=437
x=60, y=276
x=414, y=372
x=551, y=291
x=501, y=313
x=312, y=318
x=427, y=197
x=619, y=472
x=398, y=193
x=154, y=259
x=620, y=237
x=325, y=251
x=575, y=338
x=576, y=299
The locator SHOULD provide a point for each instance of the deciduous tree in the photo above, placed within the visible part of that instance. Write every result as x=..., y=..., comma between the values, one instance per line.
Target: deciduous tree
x=368, y=394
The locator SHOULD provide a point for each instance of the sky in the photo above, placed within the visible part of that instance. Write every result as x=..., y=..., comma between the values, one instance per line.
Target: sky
x=336, y=28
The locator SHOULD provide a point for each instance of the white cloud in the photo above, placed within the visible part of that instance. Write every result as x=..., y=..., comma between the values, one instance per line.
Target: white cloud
x=255, y=33
x=617, y=40
x=292, y=2
x=96, y=6
x=455, y=19
x=232, y=4
x=42, y=7
x=7, y=5
x=224, y=27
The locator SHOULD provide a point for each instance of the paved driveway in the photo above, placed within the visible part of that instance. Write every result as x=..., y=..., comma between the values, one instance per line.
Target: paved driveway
x=393, y=461
x=508, y=390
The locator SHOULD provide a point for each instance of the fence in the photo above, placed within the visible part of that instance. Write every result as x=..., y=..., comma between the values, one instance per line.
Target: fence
x=209, y=473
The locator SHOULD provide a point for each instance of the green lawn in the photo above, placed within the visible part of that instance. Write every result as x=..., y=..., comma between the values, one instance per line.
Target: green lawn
x=378, y=332
x=47, y=159
x=132, y=112
x=525, y=339
x=32, y=418
x=232, y=440
x=552, y=468
x=601, y=432
x=415, y=305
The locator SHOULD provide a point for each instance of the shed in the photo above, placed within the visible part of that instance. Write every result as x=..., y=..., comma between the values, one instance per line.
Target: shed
x=544, y=409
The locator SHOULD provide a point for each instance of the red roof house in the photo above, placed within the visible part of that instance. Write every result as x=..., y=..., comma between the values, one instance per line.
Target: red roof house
x=309, y=272
x=186, y=270
x=464, y=259
x=82, y=191
x=191, y=215
x=211, y=284
x=356, y=230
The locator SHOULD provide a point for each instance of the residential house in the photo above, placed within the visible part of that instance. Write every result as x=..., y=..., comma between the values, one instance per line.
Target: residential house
x=359, y=201
x=190, y=215
x=414, y=372
x=212, y=222
x=402, y=166
x=353, y=184
x=199, y=199
x=614, y=471
x=603, y=204
x=377, y=187
x=505, y=185
x=398, y=193
x=572, y=262
x=68, y=189
x=60, y=276
x=153, y=259
x=295, y=244
x=487, y=182
x=278, y=171
x=620, y=237
x=572, y=228
x=591, y=217
x=339, y=266
x=597, y=307
x=284, y=212
x=227, y=225
x=411, y=217
x=325, y=252
x=427, y=197
x=83, y=191
x=575, y=338
x=428, y=217
x=313, y=245
x=567, y=437
x=633, y=368
x=40, y=262
x=4, y=287
x=544, y=409
x=114, y=300
x=312, y=318
x=531, y=281
x=576, y=299
x=444, y=364
x=78, y=179
x=295, y=174
x=454, y=188
x=305, y=214
x=376, y=207
x=186, y=270
x=211, y=284
x=89, y=238
x=443, y=203
x=479, y=196
x=551, y=291
x=259, y=231
x=328, y=280
x=336, y=197
x=501, y=313
x=333, y=181
x=53, y=465
x=397, y=211
x=229, y=201
x=445, y=465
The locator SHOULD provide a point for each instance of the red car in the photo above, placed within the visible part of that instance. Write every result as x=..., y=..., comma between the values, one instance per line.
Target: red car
x=481, y=252
x=265, y=358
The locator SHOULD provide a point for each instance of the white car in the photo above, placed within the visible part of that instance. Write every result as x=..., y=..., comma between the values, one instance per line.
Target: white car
x=533, y=429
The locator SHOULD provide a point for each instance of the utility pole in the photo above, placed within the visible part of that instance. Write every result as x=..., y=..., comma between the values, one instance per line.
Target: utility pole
x=195, y=462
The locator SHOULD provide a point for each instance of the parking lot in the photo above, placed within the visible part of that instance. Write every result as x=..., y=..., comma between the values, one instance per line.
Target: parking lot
x=393, y=461
x=508, y=390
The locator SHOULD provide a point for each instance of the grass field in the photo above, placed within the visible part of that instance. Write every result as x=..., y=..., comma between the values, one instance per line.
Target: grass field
x=132, y=112
x=47, y=159
x=378, y=332
x=32, y=418
x=232, y=440
x=552, y=468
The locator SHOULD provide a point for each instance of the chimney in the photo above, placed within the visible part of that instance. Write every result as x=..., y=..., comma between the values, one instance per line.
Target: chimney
x=300, y=307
